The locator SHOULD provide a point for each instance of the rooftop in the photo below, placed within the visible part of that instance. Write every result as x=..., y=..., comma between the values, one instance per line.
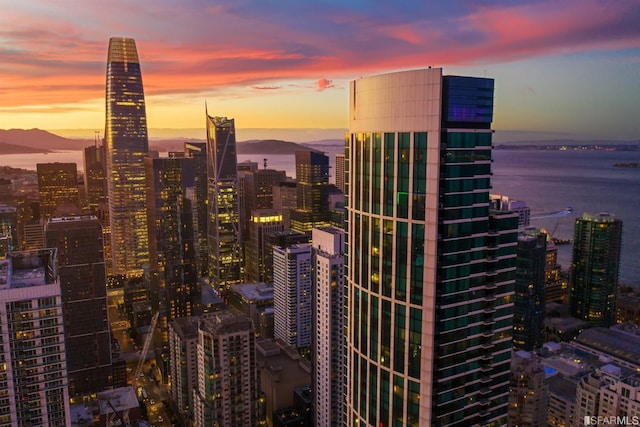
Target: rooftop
x=254, y=291
x=121, y=399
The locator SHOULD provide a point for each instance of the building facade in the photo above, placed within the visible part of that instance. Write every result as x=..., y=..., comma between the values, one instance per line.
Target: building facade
x=95, y=176
x=224, y=234
x=57, y=187
x=33, y=370
x=593, y=278
x=226, y=393
x=328, y=325
x=292, y=295
x=183, y=350
x=127, y=145
x=312, y=176
x=430, y=270
x=82, y=273
x=340, y=163
x=198, y=152
x=262, y=223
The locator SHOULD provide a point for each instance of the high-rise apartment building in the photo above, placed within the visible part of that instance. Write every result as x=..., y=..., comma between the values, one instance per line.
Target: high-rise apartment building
x=224, y=235
x=529, y=300
x=9, y=229
x=226, y=393
x=283, y=239
x=33, y=369
x=198, y=152
x=292, y=295
x=312, y=175
x=257, y=193
x=528, y=395
x=183, y=351
x=328, y=325
x=57, y=187
x=285, y=199
x=593, y=278
x=81, y=269
x=127, y=145
x=340, y=163
x=95, y=176
x=430, y=269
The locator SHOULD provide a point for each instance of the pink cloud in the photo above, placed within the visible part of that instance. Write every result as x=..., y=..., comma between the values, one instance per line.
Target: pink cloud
x=324, y=84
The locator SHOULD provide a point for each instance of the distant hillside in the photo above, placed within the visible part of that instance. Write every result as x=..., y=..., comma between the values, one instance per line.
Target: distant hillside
x=270, y=146
x=17, y=141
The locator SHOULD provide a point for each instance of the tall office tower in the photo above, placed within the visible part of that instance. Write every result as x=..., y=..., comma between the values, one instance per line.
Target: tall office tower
x=285, y=199
x=430, y=269
x=95, y=176
x=263, y=222
x=126, y=147
x=9, y=228
x=593, y=278
x=340, y=163
x=328, y=326
x=257, y=193
x=57, y=187
x=224, y=236
x=33, y=372
x=198, y=152
x=292, y=295
x=172, y=239
x=529, y=301
x=312, y=175
x=528, y=393
x=82, y=274
x=183, y=350
x=226, y=393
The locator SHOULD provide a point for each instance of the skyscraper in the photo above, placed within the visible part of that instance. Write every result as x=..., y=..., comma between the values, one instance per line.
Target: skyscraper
x=430, y=270
x=340, y=172
x=225, y=249
x=57, y=187
x=312, y=175
x=328, y=325
x=82, y=274
x=262, y=222
x=33, y=372
x=126, y=146
x=529, y=301
x=226, y=391
x=198, y=152
x=95, y=176
x=292, y=295
x=593, y=278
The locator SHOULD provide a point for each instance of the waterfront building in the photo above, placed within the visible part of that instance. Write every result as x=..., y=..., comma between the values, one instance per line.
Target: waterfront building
x=593, y=278
x=127, y=145
x=312, y=176
x=95, y=176
x=430, y=269
x=33, y=372
x=292, y=295
x=529, y=310
x=224, y=234
x=226, y=391
x=505, y=203
x=57, y=187
x=528, y=391
x=183, y=350
x=198, y=152
x=328, y=325
x=339, y=179
x=82, y=273
x=262, y=222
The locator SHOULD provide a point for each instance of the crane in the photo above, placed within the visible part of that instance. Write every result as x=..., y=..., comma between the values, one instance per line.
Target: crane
x=145, y=348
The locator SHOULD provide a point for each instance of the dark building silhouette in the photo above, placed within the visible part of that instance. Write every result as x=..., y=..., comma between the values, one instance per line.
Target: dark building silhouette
x=82, y=274
x=593, y=278
x=312, y=176
x=127, y=145
x=529, y=300
x=95, y=176
x=285, y=199
x=198, y=152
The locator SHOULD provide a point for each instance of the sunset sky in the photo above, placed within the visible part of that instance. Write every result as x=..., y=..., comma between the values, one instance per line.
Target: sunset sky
x=563, y=68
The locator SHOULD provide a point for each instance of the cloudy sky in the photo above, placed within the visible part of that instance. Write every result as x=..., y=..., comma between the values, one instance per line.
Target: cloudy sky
x=563, y=68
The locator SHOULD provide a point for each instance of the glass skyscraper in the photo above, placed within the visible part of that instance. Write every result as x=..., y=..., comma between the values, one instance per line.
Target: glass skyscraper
x=593, y=278
x=224, y=236
x=430, y=269
x=127, y=146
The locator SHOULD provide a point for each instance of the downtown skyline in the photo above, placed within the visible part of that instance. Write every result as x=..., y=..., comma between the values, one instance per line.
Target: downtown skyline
x=564, y=69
